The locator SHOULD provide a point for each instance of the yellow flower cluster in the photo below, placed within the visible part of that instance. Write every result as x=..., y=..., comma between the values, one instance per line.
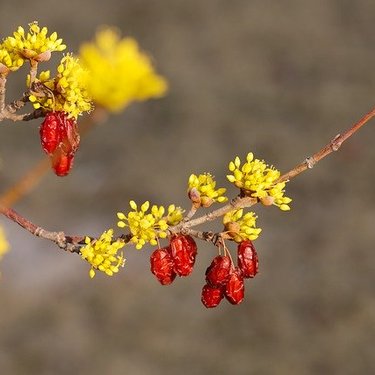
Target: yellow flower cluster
x=241, y=227
x=202, y=192
x=67, y=91
x=103, y=255
x=9, y=60
x=34, y=45
x=256, y=179
x=147, y=226
x=174, y=215
x=119, y=72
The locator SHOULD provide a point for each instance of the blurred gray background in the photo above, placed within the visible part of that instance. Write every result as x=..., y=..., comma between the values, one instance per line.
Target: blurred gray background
x=279, y=78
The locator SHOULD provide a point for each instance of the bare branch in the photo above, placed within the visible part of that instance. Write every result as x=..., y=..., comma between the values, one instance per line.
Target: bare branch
x=332, y=146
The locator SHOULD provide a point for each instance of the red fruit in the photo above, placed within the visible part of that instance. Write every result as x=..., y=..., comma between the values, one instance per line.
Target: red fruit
x=60, y=139
x=162, y=265
x=69, y=135
x=183, y=251
x=218, y=273
x=62, y=163
x=49, y=132
x=247, y=259
x=235, y=289
x=211, y=295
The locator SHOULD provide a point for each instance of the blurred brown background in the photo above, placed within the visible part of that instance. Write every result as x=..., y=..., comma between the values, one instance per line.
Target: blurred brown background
x=277, y=78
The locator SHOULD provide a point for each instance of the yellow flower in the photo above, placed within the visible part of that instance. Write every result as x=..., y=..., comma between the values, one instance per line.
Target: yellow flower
x=241, y=227
x=256, y=179
x=66, y=92
x=119, y=72
x=9, y=60
x=202, y=192
x=103, y=255
x=174, y=215
x=144, y=226
x=35, y=44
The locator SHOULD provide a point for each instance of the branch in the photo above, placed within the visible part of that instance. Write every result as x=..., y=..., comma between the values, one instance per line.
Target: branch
x=74, y=243
x=68, y=243
x=9, y=111
x=332, y=146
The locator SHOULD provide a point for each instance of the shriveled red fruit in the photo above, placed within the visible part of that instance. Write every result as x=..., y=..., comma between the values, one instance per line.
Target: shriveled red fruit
x=69, y=135
x=235, y=288
x=60, y=139
x=183, y=251
x=57, y=129
x=218, y=273
x=50, y=133
x=162, y=265
x=62, y=163
x=247, y=259
x=211, y=295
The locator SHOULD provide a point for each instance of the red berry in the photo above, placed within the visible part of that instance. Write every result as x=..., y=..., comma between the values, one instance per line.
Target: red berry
x=247, y=259
x=211, y=295
x=235, y=289
x=183, y=251
x=49, y=132
x=218, y=273
x=62, y=163
x=60, y=139
x=162, y=265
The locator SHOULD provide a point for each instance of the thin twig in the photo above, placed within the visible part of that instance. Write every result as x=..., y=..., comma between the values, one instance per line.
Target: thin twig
x=69, y=243
x=332, y=146
x=3, y=81
x=33, y=70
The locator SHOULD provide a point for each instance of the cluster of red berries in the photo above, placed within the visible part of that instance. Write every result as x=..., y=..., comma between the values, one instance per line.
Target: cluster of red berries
x=176, y=259
x=222, y=278
x=60, y=140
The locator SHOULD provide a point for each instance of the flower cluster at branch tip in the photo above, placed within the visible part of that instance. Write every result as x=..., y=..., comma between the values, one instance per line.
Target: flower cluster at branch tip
x=146, y=227
x=241, y=227
x=66, y=92
x=202, y=190
x=103, y=255
x=256, y=179
x=119, y=72
x=33, y=45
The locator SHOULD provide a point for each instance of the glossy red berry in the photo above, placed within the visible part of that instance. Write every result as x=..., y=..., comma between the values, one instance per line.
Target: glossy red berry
x=211, y=295
x=183, y=251
x=247, y=259
x=235, y=288
x=218, y=273
x=162, y=265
